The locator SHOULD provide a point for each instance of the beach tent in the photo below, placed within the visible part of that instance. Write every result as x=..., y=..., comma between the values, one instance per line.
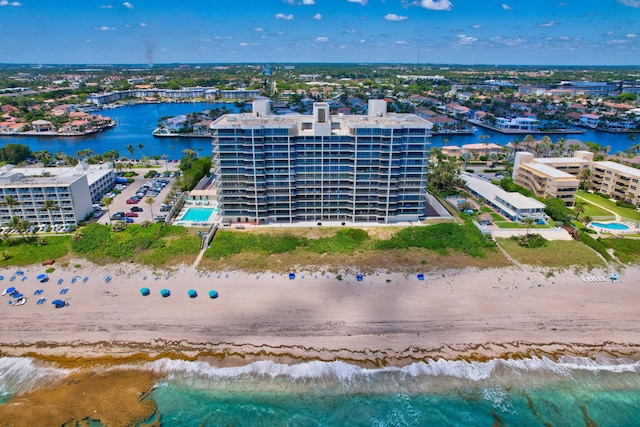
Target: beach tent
x=165, y=292
x=292, y=276
x=213, y=294
x=192, y=293
x=359, y=277
x=145, y=291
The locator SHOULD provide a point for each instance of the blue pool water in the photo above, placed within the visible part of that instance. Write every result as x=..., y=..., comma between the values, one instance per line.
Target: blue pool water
x=611, y=225
x=198, y=214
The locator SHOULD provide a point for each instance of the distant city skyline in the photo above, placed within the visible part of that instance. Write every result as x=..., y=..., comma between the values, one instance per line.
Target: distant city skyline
x=543, y=32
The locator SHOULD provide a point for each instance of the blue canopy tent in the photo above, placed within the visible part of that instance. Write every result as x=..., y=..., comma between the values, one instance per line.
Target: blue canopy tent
x=165, y=292
x=213, y=294
x=145, y=291
x=420, y=276
x=192, y=293
x=292, y=276
x=359, y=277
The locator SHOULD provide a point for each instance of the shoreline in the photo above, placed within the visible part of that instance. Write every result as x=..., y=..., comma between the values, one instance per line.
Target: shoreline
x=389, y=319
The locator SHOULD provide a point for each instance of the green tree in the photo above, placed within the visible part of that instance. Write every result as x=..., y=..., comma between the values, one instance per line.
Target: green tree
x=140, y=146
x=107, y=202
x=49, y=205
x=10, y=202
x=15, y=153
x=131, y=150
x=149, y=201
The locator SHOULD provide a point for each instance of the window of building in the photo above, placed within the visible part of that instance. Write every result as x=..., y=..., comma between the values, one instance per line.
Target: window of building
x=307, y=126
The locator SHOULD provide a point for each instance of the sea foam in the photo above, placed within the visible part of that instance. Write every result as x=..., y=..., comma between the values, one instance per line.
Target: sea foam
x=22, y=374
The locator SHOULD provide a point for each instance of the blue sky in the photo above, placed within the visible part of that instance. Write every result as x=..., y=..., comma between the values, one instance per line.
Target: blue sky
x=562, y=32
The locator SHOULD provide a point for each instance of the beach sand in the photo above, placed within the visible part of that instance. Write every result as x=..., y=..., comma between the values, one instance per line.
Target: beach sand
x=387, y=319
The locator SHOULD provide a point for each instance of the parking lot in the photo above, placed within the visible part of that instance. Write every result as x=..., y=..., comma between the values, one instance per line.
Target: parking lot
x=156, y=188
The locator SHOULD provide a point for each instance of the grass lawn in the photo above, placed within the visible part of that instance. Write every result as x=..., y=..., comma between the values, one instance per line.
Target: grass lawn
x=511, y=224
x=21, y=253
x=485, y=209
x=594, y=211
x=497, y=217
x=557, y=253
x=632, y=214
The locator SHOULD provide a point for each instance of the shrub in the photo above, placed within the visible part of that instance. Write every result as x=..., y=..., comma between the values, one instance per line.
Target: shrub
x=596, y=245
x=531, y=240
x=625, y=205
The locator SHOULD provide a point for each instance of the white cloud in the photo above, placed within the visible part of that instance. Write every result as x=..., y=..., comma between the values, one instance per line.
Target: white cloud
x=322, y=39
x=395, y=18
x=288, y=17
x=244, y=44
x=632, y=35
x=6, y=3
x=509, y=42
x=127, y=5
x=436, y=4
x=143, y=24
x=308, y=2
x=360, y=2
x=506, y=6
x=16, y=3
x=317, y=17
x=475, y=27
x=104, y=28
x=205, y=40
x=618, y=41
x=632, y=3
x=401, y=42
x=258, y=29
x=106, y=6
x=298, y=2
x=547, y=24
x=464, y=39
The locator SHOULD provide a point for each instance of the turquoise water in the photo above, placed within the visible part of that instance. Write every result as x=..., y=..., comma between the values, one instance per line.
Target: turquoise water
x=611, y=225
x=198, y=214
x=525, y=392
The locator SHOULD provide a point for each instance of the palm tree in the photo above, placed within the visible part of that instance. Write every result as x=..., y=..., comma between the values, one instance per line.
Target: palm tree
x=529, y=222
x=21, y=225
x=149, y=201
x=199, y=151
x=586, y=177
x=50, y=205
x=166, y=165
x=10, y=202
x=131, y=150
x=465, y=156
x=140, y=146
x=189, y=152
x=107, y=201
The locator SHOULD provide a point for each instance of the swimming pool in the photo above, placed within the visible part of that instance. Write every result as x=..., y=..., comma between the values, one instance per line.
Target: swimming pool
x=198, y=214
x=611, y=225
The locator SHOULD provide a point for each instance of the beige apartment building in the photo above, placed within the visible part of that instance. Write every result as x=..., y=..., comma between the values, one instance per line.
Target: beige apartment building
x=560, y=176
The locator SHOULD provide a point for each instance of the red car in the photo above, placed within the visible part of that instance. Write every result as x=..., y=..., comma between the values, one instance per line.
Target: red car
x=131, y=215
x=132, y=201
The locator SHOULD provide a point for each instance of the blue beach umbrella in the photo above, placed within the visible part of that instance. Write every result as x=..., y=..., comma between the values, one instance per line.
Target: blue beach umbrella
x=165, y=292
x=145, y=291
x=17, y=295
x=9, y=290
x=58, y=303
x=1, y=277
x=19, y=273
x=41, y=276
x=192, y=293
x=292, y=276
x=213, y=294
x=60, y=281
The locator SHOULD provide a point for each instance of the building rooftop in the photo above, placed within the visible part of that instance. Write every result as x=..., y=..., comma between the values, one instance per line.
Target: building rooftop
x=627, y=170
x=495, y=194
x=548, y=170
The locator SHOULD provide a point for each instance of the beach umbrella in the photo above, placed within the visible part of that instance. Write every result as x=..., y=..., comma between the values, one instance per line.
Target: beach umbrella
x=359, y=277
x=19, y=272
x=213, y=294
x=1, y=277
x=41, y=276
x=165, y=292
x=192, y=293
x=17, y=295
x=60, y=281
x=58, y=303
x=145, y=291
x=9, y=290
x=292, y=276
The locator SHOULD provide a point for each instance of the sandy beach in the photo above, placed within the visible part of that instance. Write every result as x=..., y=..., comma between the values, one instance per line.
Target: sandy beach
x=386, y=319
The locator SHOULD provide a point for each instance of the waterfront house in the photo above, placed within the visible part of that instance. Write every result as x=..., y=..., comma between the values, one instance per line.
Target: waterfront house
x=42, y=126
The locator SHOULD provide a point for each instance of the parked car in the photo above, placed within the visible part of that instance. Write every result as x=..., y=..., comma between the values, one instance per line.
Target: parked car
x=136, y=209
x=131, y=215
x=133, y=201
x=128, y=220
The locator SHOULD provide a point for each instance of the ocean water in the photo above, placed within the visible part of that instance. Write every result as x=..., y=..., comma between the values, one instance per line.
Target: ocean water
x=571, y=391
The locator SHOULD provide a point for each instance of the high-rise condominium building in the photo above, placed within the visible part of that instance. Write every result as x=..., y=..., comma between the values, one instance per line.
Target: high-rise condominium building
x=319, y=167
